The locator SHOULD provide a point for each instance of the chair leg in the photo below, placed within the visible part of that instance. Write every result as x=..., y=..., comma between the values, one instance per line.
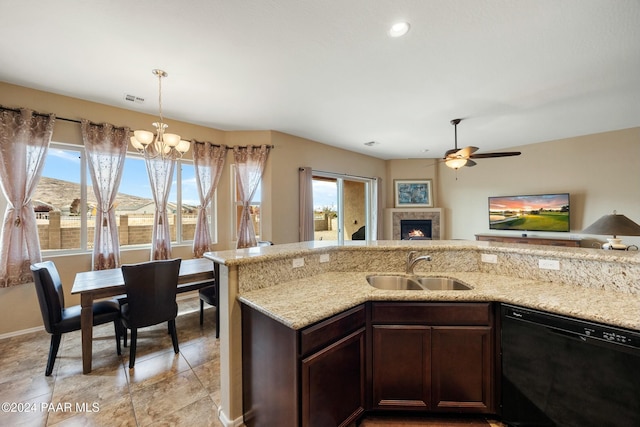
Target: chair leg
x=201, y=312
x=53, y=352
x=174, y=335
x=132, y=349
x=118, y=327
x=124, y=335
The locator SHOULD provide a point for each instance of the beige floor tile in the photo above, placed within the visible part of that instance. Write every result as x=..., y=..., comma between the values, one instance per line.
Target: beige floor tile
x=114, y=413
x=201, y=413
x=28, y=414
x=209, y=375
x=201, y=350
x=173, y=393
x=101, y=387
x=155, y=369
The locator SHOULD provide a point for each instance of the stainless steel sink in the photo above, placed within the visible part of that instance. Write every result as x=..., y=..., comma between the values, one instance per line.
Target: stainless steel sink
x=394, y=283
x=441, y=284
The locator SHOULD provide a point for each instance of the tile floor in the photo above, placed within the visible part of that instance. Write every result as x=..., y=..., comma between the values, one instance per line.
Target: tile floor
x=163, y=389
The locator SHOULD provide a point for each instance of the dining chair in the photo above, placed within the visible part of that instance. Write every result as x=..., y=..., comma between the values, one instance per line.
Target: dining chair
x=59, y=319
x=151, y=299
x=209, y=295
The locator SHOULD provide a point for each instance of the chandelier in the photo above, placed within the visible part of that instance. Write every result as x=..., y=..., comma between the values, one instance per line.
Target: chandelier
x=166, y=145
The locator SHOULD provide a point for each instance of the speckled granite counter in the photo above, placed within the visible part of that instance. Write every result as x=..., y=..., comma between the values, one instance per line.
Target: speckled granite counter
x=602, y=286
x=299, y=303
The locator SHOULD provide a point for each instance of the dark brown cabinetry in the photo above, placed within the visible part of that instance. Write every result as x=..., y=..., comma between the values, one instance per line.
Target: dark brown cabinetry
x=547, y=241
x=401, y=378
x=433, y=356
x=314, y=377
x=382, y=356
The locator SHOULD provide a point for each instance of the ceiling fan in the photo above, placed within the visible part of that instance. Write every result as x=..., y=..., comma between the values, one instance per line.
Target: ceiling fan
x=457, y=158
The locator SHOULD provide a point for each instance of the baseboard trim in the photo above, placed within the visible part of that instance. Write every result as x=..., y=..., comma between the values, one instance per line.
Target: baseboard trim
x=21, y=332
x=238, y=422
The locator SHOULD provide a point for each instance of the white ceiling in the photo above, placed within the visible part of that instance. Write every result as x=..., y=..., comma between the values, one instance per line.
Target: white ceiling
x=518, y=72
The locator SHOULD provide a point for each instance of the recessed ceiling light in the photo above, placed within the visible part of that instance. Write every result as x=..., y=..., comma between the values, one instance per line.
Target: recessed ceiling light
x=399, y=29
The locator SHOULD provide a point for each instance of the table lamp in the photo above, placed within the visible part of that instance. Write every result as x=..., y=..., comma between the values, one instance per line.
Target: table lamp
x=616, y=225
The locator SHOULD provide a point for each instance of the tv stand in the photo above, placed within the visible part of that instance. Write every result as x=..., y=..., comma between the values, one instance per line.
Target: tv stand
x=530, y=240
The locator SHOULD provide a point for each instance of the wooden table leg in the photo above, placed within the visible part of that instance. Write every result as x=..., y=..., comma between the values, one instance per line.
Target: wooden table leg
x=86, y=323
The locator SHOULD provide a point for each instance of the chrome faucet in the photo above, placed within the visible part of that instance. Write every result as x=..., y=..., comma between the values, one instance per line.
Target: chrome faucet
x=412, y=260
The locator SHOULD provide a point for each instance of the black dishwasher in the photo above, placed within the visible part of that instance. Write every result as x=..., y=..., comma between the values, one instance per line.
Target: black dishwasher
x=561, y=371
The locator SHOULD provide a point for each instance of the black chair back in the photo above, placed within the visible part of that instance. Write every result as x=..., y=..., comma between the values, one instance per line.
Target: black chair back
x=50, y=294
x=151, y=292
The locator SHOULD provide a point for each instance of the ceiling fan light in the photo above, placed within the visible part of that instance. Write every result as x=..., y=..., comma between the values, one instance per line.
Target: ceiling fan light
x=455, y=163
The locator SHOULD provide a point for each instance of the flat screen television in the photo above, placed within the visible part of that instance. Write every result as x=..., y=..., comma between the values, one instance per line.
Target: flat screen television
x=537, y=212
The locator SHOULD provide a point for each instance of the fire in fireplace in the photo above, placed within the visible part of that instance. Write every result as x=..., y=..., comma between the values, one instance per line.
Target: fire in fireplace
x=415, y=229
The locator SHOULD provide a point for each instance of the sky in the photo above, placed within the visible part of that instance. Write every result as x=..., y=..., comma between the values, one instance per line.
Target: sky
x=546, y=201
x=325, y=194
x=65, y=165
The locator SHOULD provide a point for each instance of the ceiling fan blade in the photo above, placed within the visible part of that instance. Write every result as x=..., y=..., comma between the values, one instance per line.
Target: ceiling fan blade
x=466, y=151
x=450, y=154
x=470, y=163
x=500, y=154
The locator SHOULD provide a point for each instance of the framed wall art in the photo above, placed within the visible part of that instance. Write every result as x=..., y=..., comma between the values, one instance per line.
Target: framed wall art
x=413, y=193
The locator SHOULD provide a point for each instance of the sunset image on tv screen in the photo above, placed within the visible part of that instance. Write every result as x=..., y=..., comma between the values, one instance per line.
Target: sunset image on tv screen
x=543, y=212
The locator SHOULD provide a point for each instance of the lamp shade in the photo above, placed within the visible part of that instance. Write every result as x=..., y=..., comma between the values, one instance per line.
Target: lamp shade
x=614, y=225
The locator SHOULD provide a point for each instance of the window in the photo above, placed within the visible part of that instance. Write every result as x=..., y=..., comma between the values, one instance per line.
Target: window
x=65, y=205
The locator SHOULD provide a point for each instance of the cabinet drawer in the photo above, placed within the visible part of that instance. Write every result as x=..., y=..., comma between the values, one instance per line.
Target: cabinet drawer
x=330, y=330
x=450, y=314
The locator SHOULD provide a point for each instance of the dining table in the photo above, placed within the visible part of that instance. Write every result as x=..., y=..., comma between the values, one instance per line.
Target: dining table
x=92, y=285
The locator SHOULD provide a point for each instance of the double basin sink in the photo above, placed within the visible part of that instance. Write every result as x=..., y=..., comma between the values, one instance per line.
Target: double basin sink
x=415, y=283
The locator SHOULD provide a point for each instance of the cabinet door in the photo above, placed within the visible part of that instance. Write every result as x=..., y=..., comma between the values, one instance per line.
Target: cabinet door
x=401, y=368
x=462, y=366
x=333, y=382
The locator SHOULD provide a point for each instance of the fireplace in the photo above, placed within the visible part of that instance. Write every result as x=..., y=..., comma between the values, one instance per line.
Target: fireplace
x=415, y=229
x=395, y=216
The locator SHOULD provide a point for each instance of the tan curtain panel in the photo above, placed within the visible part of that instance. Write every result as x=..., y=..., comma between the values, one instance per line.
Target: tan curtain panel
x=305, y=198
x=208, y=161
x=24, y=142
x=250, y=163
x=106, y=148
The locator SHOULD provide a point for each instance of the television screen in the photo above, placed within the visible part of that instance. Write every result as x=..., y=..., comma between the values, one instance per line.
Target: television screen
x=539, y=212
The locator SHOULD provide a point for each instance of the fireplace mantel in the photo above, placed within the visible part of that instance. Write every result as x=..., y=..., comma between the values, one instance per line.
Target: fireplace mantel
x=393, y=216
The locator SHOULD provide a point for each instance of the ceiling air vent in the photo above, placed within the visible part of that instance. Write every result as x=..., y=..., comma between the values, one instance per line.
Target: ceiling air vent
x=133, y=98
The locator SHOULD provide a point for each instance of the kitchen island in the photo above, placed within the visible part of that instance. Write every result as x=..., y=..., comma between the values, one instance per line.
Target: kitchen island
x=591, y=284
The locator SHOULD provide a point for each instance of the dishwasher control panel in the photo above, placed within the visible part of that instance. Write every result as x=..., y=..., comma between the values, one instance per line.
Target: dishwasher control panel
x=572, y=325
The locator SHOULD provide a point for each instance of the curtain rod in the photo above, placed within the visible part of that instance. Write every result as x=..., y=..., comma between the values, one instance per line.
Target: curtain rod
x=338, y=174
x=17, y=110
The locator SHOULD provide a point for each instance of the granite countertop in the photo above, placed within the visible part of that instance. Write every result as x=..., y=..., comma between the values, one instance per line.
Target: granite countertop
x=302, y=302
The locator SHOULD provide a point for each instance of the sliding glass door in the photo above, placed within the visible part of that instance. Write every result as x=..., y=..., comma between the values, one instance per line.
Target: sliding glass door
x=343, y=207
